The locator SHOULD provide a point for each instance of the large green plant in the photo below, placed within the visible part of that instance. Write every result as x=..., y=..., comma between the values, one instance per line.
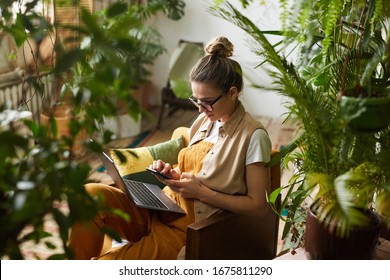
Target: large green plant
x=116, y=49
x=38, y=171
x=339, y=168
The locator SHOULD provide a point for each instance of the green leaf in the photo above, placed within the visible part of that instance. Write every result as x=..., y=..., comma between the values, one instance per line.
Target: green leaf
x=116, y=9
x=112, y=233
x=68, y=60
x=322, y=80
x=284, y=151
x=274, y=195
x=91, y=22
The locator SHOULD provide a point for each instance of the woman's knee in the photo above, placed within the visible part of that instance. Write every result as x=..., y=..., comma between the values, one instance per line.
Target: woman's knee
x=110, y=195
x=100, y=188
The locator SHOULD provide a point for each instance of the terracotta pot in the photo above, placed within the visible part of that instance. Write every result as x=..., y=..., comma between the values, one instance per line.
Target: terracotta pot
x=63, y=114
x=321, y=244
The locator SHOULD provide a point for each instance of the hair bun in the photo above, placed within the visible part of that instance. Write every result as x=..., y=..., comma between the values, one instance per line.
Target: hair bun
x=220, y=46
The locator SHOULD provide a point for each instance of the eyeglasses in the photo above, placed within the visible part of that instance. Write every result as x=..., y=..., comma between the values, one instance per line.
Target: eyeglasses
x=208, y=106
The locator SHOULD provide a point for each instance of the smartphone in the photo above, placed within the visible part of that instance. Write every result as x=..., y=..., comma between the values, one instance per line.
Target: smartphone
x=155, y=172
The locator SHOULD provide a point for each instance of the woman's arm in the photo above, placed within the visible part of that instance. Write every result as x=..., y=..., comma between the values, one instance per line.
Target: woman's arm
x=253, y=203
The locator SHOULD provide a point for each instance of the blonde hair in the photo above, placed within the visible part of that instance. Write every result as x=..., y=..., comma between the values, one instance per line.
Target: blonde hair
x=220, y=46
x=217, y=68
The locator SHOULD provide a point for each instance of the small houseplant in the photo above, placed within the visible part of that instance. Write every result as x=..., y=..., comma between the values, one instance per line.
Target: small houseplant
x=340, y=169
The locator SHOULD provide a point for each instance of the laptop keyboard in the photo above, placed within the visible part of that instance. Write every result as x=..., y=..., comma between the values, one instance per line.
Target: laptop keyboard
x=143, y=194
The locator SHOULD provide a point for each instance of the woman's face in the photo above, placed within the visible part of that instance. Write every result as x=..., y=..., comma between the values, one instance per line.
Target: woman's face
x=216, y=105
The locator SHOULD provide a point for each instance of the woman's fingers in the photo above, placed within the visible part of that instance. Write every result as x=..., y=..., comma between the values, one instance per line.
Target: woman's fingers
x=158, y=165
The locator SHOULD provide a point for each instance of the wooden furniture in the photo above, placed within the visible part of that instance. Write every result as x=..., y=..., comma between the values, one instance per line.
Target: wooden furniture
x=231, y=236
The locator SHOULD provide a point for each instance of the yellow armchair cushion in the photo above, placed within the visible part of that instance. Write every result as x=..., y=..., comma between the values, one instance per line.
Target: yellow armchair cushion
x=135, y=160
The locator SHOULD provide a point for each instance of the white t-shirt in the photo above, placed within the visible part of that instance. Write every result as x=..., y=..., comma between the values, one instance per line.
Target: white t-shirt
x=259, y=149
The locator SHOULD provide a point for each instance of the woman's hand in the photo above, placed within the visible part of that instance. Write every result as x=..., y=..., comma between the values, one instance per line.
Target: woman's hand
x=188, y=186
x=166, y=169
x=252, y=203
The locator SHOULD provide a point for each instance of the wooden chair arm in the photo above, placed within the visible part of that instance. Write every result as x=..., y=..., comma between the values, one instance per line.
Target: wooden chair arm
x=227, y=235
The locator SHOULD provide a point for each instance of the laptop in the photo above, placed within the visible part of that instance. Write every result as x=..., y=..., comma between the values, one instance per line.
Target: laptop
x=144, y=195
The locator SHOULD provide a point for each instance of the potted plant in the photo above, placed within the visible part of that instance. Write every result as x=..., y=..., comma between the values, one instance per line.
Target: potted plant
x=361, y=45
x=340, y=172
x=39, y=175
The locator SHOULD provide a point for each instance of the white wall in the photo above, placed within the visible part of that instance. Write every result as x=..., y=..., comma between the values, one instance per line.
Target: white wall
x=199, y=25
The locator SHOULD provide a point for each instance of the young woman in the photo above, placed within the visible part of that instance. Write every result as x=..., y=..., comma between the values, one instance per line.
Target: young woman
x=223, y=167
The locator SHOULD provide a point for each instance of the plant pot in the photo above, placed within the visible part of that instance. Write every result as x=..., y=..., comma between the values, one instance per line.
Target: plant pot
x=321, y=244
x=374, y=115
